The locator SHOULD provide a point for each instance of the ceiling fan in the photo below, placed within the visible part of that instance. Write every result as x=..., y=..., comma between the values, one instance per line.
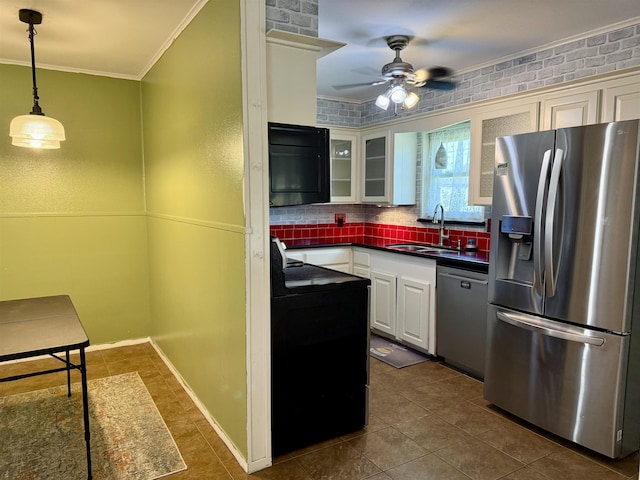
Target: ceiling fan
x=401, y=74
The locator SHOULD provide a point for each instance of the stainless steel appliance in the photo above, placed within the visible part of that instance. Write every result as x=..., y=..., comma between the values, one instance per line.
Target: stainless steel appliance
x=563, y=331
x=462, y=318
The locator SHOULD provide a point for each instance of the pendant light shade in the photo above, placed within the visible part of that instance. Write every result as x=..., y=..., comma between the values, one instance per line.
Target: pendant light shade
x=35, y=130
x=383, y=101
x=411, y=100
x=441, y=157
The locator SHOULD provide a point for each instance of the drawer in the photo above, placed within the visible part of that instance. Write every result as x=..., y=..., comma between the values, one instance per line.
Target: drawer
x=361, y=258
x=328, y=256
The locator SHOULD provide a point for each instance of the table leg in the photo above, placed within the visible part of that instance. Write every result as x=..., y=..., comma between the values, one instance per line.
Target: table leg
x=85, y=407
x=68, y=375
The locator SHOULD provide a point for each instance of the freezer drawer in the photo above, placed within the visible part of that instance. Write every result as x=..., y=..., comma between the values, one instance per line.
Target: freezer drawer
x=565, y=379
x=462, y=318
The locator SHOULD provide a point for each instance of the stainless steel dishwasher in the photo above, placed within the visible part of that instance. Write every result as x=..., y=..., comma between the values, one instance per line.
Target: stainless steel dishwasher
x=461, y=320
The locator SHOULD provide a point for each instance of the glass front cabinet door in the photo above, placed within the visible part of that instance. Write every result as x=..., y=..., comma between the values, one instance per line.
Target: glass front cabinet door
x=344, y=165
x=375, y=167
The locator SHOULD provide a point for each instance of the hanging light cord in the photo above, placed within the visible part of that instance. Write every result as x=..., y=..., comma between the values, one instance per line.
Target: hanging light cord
x=35, y=130
x=36, y=110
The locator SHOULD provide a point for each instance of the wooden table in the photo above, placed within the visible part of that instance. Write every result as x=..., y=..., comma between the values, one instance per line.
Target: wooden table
x=46, y=326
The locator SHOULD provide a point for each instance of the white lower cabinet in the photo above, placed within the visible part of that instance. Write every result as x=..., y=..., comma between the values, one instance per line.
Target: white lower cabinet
x=402, y=289
x=403, y=298
x=383, y=302
x=414, y=298
x=361, y=262
x=336, y=258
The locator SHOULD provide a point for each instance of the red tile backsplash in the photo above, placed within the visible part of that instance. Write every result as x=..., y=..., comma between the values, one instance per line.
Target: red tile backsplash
x=371, y=234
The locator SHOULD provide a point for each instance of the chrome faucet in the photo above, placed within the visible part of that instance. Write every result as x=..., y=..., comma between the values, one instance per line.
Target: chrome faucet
x=442, y=236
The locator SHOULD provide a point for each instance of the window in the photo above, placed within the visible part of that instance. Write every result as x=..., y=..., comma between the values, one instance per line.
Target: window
x=445, y=160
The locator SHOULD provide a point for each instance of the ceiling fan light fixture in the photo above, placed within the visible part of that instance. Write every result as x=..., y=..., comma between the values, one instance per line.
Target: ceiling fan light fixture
x=35, y=130
x=383, y=101
x=411, y=100
x=398, y=94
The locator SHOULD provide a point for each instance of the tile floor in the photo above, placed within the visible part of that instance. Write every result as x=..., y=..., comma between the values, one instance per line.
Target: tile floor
x=427, y=422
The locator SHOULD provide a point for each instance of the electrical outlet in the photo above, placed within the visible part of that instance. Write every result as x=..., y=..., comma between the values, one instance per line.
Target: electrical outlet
x=340, y=219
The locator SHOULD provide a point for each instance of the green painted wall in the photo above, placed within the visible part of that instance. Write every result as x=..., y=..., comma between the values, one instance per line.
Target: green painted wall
x=145, y=244
x=193, y=157
x=72, y=220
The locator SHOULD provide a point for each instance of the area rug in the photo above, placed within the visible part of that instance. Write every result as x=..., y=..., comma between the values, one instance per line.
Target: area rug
x=42, y=433
x=394, y=354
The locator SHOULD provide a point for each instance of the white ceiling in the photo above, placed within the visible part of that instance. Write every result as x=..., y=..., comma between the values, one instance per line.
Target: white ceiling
x=123, y=38
x=119, y=38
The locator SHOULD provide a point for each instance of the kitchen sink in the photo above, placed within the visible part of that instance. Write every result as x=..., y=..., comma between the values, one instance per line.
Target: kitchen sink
x=412, y=247
x=438, y=250
x=420, y=248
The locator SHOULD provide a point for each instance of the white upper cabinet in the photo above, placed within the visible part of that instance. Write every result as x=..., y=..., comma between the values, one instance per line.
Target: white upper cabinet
x=384, y=159
x=405, y=159
x=344, y=166
x=565, y=110
x=375, y=167
x=487, y=125
x=389, y=168
x=291, y=76
x=621, y=99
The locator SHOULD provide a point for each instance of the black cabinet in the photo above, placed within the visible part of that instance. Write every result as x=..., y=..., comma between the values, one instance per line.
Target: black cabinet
x=298, y=165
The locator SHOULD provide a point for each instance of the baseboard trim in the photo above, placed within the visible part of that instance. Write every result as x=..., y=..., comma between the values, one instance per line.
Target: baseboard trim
x=239, y=458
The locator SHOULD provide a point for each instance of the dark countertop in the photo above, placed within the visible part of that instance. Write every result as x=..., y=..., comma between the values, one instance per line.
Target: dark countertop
x=310, y=276
x=478, y=261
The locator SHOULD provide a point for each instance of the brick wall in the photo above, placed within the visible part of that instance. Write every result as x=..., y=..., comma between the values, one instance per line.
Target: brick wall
x=297, y=16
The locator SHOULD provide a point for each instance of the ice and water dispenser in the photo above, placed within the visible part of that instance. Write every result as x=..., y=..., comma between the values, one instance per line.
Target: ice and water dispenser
x=517, y=231
x=513, y=267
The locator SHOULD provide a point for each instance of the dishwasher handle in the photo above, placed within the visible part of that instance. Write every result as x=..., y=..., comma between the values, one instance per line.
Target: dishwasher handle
x=528, y=324
x=465, y=279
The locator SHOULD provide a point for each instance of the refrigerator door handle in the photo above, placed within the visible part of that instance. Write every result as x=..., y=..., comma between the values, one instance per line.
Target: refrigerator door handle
x=538, y=261
x=550, y=265
x=528, y=323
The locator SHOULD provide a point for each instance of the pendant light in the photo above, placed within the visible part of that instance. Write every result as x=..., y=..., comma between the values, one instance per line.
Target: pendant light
x=35, y=130
x=441, y=157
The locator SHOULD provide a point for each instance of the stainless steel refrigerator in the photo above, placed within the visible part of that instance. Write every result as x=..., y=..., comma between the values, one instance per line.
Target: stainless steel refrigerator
x=563, y=331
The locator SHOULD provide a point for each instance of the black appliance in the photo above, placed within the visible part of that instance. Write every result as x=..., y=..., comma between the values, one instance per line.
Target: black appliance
x=319, y=354
x=298, y=165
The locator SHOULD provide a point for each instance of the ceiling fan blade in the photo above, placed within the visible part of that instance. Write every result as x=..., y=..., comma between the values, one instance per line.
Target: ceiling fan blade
x=439, y=72
x=354, y=85
x=423, y=74
x=439, y=84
